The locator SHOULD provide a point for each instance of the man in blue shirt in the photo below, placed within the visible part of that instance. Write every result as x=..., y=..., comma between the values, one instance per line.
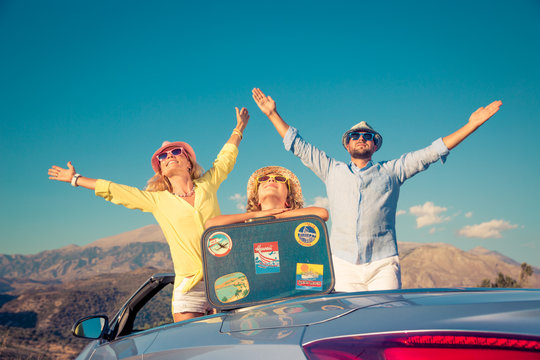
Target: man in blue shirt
x=363, y=194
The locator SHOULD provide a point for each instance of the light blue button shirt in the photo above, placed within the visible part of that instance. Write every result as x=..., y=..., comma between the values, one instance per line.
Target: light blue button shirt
x=363, y=202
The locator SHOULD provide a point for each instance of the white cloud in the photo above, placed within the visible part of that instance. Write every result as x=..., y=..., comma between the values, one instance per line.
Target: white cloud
x=435, y=230
x=468, y=214
x=491, y=229
x=240, y=201
x=428, y=214
x=400, y=212
x=320, y=201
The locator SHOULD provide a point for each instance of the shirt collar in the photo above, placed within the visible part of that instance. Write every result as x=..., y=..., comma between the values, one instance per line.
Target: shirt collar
x=357, y=169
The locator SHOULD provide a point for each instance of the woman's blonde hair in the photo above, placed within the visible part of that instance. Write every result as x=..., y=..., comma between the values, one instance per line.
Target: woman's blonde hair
x=294, y=195
x=160, y=182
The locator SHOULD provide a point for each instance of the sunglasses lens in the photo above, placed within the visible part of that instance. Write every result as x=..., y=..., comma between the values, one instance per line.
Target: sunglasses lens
x=366, y=136
x=277, y=178
x=176, y=151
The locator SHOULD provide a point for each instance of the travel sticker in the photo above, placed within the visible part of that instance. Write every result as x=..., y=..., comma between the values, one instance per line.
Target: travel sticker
x=309, y=276
x=307, y=234
x=266, y=257
x=219, y=244
x=231, y=287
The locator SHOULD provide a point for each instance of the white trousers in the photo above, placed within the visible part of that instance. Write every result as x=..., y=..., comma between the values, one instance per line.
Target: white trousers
x=382, y=274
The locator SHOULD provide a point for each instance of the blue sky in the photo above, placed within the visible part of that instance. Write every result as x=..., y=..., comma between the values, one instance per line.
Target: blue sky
x=103, y=83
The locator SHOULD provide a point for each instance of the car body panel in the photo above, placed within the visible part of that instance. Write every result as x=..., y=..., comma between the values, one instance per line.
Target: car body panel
x=497, y=311
x=203, y=340
x=128, y=347
x=294, y=313
x=282, y=328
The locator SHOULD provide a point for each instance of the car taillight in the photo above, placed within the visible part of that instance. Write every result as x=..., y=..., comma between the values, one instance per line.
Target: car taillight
x=419, y=346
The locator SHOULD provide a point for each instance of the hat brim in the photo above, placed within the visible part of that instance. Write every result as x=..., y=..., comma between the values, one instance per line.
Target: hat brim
x=171, y=145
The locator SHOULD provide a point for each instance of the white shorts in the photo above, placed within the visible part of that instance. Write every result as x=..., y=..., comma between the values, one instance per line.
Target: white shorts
x=384, y=274
x=192, y=301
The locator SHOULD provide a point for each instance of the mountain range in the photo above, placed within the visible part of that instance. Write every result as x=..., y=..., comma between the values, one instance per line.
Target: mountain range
x=144, y=247
x=423, y=265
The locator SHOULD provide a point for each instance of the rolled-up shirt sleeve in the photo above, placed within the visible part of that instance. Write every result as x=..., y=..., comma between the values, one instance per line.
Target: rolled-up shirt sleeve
x=441, y=149
x=411, y=163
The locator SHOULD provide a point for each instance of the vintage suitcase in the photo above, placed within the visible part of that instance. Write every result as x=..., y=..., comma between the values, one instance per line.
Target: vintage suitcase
x=266, y=260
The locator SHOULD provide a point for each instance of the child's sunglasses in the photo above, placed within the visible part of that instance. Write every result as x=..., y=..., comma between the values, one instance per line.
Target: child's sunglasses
x=277, y=178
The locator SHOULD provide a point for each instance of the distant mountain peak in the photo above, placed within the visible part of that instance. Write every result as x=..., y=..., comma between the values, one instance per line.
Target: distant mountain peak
x=479, y=250
x=149, y=233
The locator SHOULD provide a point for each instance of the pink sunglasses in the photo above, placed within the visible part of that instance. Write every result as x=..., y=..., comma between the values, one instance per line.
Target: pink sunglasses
x=177, y=151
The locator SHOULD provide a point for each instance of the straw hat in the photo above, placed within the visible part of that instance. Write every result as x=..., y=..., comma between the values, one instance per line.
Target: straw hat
x=296, y=189
x=167, y=145
x=363, y=126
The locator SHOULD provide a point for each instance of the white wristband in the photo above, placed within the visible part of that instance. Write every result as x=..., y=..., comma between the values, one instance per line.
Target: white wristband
x=74, y=179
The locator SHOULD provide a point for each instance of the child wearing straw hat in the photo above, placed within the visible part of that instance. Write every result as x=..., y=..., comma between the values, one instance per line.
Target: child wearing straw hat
x=271, y=191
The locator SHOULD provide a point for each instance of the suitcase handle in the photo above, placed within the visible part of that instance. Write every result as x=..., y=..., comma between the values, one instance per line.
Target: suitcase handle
x=260, y=218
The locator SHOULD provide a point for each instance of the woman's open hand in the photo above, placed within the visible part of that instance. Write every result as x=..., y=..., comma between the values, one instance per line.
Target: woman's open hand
x=61, y=174
x=242, y=118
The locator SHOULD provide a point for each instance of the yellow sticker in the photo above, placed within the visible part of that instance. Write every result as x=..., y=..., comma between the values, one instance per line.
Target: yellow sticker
x=307, y=234
x=309, y=276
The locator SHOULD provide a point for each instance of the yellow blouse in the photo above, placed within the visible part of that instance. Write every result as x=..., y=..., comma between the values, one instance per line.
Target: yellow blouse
x=181, y=223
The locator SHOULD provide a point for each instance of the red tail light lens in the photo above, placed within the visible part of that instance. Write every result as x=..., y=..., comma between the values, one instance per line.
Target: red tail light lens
x=417, y=346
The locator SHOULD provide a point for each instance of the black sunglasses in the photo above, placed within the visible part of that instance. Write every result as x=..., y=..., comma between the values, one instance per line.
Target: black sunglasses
x=356, y=135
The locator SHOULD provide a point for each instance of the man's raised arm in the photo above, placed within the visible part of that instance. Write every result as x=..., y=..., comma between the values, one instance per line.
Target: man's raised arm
x=477, y=118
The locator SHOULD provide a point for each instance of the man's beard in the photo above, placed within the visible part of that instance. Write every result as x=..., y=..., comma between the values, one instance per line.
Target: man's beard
x=361, y=154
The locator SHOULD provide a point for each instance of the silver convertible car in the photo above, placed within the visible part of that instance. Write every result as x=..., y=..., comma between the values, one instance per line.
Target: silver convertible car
x=398, y=324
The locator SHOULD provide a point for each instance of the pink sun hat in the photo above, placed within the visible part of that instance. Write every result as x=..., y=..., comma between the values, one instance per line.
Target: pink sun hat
x=167, y=145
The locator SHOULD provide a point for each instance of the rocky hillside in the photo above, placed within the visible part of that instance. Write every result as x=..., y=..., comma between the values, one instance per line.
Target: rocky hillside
x=423, y=265
x=36, y=323
x=443, y=265
x=116, y=254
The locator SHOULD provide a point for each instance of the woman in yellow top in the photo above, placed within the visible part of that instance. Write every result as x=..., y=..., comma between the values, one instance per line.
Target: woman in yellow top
x=182, y=198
